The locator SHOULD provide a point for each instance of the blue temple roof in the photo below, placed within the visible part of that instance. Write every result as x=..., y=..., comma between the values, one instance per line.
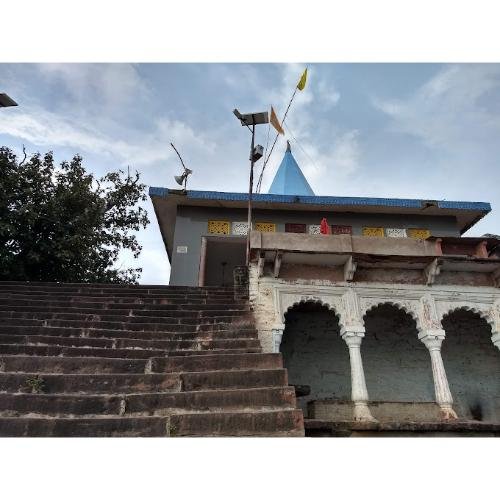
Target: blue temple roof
x=289, y=179
x=327, y=201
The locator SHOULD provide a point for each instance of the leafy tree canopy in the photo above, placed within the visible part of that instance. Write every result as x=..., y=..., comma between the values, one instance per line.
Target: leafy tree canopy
x=60, y=223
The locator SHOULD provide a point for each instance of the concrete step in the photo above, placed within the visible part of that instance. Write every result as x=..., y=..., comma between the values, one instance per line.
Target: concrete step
x=278, y=423
x=117, y=314
x=264, y=423
x=84, y=427
x=197, y=381
x=173, y=364
x=57, y=364
x=14, y=304
x=249, y=333
x=120, y=383
x=214, y=362
x=114, y=383
x=121, y=300
x=112, y=288
x=146, y=404
x=55, y=350
x=132, y=325
x=86, y=292
x=190, y=318
x=164, y=345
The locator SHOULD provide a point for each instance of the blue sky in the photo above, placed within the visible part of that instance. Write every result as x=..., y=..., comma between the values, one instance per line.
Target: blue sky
x=390, y=130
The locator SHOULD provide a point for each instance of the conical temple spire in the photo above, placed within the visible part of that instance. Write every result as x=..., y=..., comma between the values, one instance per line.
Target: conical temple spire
x=289, y=179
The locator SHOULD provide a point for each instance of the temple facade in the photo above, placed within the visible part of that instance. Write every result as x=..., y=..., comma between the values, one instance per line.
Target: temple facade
x=393, y=317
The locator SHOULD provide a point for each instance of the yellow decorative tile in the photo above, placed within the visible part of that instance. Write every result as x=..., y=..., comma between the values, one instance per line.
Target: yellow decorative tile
x=421, y=234
x=373, y=231
x=265, y=227
x=218, y=227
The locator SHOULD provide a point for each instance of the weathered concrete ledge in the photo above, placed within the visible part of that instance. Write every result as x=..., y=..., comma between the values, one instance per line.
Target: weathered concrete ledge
x=346, y=428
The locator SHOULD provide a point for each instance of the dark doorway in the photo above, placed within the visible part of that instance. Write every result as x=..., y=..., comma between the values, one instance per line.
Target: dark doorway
x=314, y=353
x=472, y=365
x=222, y=256
x=397, y=364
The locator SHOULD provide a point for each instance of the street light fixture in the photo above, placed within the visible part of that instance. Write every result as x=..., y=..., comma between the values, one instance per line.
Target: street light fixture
x=249, y=120
x=6, y=101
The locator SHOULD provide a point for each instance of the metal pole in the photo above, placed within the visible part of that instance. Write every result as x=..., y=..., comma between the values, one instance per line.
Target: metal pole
x=250, y=189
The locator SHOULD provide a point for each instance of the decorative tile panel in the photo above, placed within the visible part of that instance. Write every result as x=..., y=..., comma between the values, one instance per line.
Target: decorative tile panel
x=314, y=229
x=265, y=227
x=373, y=231
x=395, y=232
x=336, y=229
x=421, y=234
x=295, y=228
x=240, y=228
x=218, y=227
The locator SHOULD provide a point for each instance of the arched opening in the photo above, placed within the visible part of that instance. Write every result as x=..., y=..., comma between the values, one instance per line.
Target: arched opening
x=472, y=365
x=314, y=353
x=396, y=363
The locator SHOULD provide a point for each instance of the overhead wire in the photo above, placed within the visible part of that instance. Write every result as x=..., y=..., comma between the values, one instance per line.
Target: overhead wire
x=300, y=146
x=259, y=183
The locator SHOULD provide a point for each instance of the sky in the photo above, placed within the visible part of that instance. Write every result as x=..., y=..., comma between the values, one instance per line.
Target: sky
x=427, y=131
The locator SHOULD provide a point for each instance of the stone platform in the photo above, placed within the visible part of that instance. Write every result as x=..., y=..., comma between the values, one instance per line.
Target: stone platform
x=383, y=411
x=348, y=428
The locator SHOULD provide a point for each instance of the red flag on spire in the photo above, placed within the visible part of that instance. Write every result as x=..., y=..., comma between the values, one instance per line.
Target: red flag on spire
x=324, y=227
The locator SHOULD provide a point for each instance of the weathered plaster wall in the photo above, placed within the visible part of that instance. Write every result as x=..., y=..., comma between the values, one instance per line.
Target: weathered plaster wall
x=396, y=363
x=472, y=364
x=191, y=225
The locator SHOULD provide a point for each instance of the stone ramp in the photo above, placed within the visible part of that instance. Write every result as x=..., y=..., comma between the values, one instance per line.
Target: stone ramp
x=125, y=360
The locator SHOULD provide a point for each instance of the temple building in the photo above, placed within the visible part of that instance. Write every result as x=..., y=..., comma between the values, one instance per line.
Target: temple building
x=393, y=317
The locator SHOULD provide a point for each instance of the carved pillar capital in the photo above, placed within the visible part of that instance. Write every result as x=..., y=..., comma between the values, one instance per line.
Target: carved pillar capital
x=277, y=332
x=353, y=340
x=352, y=331
x=432, y=339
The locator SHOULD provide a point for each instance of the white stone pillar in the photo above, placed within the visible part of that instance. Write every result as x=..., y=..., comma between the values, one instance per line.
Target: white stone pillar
x=495, y=338
x=433, y=339
x=277, y=337
x=359, y=393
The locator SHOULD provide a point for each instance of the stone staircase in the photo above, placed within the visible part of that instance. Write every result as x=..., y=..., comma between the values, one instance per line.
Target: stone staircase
x=125, y=360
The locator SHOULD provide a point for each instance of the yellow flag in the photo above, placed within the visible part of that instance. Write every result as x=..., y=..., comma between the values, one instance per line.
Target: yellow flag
x=302, y=81
x=275, y=122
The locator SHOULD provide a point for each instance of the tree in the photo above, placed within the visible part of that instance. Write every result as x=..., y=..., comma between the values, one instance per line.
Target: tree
x=60, y=223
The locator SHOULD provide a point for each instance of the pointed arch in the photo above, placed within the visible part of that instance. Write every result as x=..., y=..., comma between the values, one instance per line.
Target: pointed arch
x=406, y=307
x=306, y=301
x=481, y=311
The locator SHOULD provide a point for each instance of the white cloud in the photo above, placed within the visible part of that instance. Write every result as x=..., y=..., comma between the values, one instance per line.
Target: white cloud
x=446, y=112
x=46, y=129
x=104, y=86
x=327, y=93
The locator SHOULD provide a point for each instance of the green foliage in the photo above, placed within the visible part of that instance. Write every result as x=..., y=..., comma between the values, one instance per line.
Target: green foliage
x=60, y=223
x=36, y=384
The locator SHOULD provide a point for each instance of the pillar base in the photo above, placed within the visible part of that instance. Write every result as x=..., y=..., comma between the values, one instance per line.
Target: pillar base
x=362, y=413
x=447, y=413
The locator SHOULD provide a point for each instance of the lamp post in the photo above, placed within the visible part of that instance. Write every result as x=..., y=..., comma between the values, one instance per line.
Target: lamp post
x=6, y=101
x=249, y=120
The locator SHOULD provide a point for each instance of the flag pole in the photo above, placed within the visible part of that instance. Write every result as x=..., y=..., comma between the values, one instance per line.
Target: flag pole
x=275, y=140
